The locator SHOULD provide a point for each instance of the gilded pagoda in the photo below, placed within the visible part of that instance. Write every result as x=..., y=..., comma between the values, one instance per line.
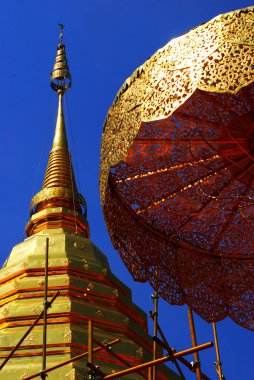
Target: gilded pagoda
x=77, y=270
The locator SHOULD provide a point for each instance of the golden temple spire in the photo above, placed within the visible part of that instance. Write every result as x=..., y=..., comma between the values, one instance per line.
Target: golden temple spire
x=60, y=138
x=58, y=204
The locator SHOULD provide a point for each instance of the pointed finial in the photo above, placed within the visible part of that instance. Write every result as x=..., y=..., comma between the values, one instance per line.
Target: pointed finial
x=61, y=26
x=60, y=78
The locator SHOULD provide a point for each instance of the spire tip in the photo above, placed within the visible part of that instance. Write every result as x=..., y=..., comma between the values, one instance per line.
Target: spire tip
x=61, y=26
x=60, y=78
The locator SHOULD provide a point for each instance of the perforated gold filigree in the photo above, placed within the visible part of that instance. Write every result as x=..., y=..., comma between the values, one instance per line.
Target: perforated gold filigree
x=179, y=144
x=213, y=57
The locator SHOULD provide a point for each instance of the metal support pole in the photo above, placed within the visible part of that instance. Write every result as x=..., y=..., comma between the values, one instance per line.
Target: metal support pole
x=45, y=303
x=157, y=361
x=196, y=363
x=72, y=360
x=27, y=332
x=218, y=361
x=155, y=299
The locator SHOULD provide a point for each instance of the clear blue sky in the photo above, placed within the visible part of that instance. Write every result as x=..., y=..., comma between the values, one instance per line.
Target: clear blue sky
x=106, y=40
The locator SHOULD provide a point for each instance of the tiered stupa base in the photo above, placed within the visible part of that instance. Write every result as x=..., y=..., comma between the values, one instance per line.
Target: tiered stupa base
x=88, y=291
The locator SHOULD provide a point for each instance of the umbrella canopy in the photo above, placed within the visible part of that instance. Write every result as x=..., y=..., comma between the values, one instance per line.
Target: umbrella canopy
x=177, y=166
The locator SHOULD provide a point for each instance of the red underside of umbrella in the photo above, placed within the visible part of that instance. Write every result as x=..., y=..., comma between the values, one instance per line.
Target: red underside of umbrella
x=180, y=208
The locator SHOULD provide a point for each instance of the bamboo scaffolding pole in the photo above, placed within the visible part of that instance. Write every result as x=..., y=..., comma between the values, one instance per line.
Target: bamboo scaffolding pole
x=27, y=332
x=188, y=365
x=182, y=360
x=169, y=349
x=194, y=343
x=157, y=361
x=117, y=356
x=90, y=341
x=72, y=359
x=150, y=373
x=164, y=344
x=45, y=304
x=155, y=299
x=95, y=371
x=217, y=350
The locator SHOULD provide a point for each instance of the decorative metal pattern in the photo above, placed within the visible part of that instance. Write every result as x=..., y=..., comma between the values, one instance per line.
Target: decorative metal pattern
x=37, y=309
x=85, y=264
x=115, y=292
x=5, y=312
x=178, y=146
x=31, y=339
x=140, y=353
x=79, y=245
x=99, y=314
x=90, y=286
x=213, y=57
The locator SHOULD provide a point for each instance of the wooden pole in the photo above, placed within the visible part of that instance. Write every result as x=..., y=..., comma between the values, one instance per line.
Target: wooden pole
x=175, y=362
x=27, y=332
x=71, y=360
x=194, y=344
x=150, y=373
x=90, y=347
x=117, y=356
x=45, y=304
x=188, y=365
x=90, y=341
x=166, y=346
x=158, y=361
x=218, y=361
x=155, y=299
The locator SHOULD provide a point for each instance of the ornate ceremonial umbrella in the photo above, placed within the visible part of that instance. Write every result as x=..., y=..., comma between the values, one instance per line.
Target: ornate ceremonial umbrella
x=177, y=165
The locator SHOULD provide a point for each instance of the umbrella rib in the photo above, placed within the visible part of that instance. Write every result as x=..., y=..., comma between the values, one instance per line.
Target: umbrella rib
x=180, y=165
x=236, y=141
x=158, y=233
x=165, y=169
x=227, y=158
x=173, y=141
x=188, y=117
x=209, y=200
x=208, y=96
x=211, y=197
x=230, y=218
x=183, y=188
x=235, y=162
x=145, y=225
